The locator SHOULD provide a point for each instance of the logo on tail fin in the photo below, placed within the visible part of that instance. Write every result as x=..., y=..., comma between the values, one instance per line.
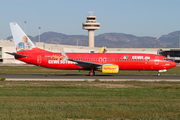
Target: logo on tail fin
x=24, y=45
x=21, y=40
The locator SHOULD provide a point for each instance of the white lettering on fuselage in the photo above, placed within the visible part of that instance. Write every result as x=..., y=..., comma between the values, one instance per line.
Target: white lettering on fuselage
x=147, y=57
x=60, y=62
x=140, y=57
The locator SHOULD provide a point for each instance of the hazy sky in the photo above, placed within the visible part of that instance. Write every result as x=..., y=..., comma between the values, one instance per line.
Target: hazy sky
x=138, y=17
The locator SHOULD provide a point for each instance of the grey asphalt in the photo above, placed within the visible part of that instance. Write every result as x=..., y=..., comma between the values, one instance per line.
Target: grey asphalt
x=82, y=77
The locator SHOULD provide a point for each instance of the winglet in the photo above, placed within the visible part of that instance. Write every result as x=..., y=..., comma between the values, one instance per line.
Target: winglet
x=65, y=57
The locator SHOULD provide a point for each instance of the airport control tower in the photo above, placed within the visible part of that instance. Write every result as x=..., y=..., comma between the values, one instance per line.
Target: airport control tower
x=91, y=25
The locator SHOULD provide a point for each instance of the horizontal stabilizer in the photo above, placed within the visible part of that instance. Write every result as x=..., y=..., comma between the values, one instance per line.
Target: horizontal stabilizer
x=16, y=55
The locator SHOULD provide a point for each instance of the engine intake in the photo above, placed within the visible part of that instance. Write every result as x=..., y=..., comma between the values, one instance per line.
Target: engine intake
x=110, y=69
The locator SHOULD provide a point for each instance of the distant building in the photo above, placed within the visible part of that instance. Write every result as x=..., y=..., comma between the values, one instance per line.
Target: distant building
x=173, y=54
x=0, y=54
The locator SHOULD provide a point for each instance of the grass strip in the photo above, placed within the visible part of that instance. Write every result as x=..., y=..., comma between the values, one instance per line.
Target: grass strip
x=89, y=100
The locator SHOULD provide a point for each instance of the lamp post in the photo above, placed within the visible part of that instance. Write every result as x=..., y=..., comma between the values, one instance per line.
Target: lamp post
x=25, y=26
x=78, y=41
x=81, y=42
x=39, y=33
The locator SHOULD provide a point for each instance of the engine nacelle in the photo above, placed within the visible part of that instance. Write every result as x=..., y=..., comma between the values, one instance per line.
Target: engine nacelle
x=110, y=69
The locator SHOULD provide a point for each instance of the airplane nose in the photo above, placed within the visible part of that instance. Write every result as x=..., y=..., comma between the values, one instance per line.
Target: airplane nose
x=172, y=64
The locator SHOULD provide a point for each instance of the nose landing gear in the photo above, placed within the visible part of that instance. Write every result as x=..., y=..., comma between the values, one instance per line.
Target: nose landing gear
x=159, y=74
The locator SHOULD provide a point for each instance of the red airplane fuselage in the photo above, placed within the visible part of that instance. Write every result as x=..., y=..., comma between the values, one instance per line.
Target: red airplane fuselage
x=125, y=61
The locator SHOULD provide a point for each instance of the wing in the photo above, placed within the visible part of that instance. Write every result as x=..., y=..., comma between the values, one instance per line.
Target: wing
x=83, y=64
x=86, y=64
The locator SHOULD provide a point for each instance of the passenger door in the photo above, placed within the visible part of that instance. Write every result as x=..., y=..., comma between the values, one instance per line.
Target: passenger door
x=39, y=59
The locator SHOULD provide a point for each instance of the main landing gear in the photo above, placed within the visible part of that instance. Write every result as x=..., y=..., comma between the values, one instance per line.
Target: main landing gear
x=91, y=73
x=158, y=74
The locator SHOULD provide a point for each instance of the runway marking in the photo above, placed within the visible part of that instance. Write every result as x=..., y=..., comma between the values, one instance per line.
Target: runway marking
x=148, y=80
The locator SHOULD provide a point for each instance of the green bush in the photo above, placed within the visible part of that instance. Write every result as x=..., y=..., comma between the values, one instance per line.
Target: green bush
x=3, y=79
x=96, y=80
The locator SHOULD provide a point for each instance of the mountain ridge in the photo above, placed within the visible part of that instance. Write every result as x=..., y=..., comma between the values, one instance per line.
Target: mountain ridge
x=111, y=40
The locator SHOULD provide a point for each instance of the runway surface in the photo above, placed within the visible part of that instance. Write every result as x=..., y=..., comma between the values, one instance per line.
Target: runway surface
x=83, y=77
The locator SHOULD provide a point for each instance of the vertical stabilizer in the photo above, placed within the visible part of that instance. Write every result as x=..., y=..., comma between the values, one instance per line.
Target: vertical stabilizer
x=102, y=50
x=21, y=40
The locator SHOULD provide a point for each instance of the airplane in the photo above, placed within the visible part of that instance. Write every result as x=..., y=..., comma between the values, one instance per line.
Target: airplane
x=102, y=50
x=107, y=63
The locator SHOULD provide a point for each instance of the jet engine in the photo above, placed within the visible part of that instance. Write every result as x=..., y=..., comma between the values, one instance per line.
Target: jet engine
x=110, y=69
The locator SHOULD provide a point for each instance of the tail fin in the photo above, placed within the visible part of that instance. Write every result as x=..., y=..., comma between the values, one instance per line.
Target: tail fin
x=102, y=50
x=21, y=40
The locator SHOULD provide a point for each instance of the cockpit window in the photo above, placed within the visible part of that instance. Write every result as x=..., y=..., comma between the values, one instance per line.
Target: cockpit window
x=165, y=59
